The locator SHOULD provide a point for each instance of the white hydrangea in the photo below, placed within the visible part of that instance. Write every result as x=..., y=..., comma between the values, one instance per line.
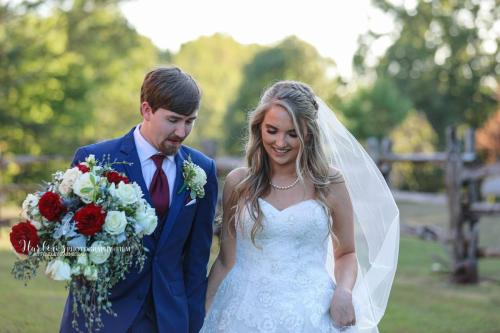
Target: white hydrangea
x=200, y=177
x=30, y=207
x=36, y=224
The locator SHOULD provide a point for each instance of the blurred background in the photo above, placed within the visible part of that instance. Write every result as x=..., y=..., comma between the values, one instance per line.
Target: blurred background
x=416, y=81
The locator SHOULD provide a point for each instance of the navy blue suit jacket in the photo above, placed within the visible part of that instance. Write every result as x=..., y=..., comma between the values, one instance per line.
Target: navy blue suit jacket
x=176, y=267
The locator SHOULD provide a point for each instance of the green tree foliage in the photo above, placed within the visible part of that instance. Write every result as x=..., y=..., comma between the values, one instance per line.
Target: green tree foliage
x=216, y=62
x=415, y=135
x=373, y=111
x=445, y=58
x=70, y=74
x=65, y=75
x=292, y=59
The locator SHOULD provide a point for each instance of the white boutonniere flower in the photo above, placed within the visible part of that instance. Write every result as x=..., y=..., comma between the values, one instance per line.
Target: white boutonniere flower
x=195, y=179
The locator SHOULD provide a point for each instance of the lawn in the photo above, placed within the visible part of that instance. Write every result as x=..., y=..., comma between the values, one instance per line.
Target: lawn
x=421, y=300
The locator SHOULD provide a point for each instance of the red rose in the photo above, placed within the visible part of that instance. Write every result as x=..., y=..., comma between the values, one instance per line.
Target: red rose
x=23, y=237
x=51, y=206
x=115, y=178
x=89, y=219
x=83, y=168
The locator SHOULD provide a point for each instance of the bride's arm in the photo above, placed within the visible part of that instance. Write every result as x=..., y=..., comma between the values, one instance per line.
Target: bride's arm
x=227, y=252
x=346, y=266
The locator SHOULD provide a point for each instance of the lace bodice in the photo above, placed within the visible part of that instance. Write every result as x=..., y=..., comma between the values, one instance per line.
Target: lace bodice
x=292, y=240
x=280, y=284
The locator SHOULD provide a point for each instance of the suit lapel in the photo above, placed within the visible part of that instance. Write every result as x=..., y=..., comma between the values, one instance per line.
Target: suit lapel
x=133, y=170
x=178, y=199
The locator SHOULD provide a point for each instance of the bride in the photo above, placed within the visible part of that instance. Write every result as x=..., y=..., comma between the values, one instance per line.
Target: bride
x=310, y=230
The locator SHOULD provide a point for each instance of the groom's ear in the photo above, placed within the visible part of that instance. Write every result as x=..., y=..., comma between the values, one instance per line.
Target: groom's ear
x=146, y=110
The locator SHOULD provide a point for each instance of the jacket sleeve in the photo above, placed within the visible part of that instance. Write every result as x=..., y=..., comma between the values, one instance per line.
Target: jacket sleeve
x=197, y=253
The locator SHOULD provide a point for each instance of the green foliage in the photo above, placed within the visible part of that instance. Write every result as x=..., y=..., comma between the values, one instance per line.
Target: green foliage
x=68, y=77
x=292, y=59
x=415, y=135
x=444, y=58
x=216, y=63
x=373, y=111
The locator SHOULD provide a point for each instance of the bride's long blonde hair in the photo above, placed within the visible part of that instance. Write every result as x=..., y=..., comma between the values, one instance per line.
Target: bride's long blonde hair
x=299, y=101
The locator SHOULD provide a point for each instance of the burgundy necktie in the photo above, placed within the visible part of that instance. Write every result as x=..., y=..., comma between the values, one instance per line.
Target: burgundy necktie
x=160, y=193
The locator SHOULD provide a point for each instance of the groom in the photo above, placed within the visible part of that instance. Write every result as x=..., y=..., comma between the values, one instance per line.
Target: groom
x=168, y=295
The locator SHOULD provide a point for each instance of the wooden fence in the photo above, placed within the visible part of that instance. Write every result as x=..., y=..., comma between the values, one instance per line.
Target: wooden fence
x=465, y=203
x=463, y=198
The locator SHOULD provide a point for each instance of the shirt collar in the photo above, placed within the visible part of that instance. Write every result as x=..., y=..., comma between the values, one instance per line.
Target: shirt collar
x=144, y=149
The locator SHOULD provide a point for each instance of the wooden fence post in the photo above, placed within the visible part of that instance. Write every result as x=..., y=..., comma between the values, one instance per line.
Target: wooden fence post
x=464, y=270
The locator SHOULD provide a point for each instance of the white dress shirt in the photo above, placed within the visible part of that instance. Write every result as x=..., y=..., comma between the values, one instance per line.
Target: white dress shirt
x=145, y=150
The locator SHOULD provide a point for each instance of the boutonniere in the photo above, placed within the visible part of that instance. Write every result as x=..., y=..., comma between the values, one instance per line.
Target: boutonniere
x=194, y=179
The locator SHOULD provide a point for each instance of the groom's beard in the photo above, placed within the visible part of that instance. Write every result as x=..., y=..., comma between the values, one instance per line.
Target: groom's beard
x=169, y=148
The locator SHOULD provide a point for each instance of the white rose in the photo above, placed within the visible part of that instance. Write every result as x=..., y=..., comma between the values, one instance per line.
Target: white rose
x=115, y=222
x=99, y=252
x=90, y=272
x=146, y=219
x=69, y=178
x=58, y=270
x=84, y=188
x=30, y=206
x=125, y=193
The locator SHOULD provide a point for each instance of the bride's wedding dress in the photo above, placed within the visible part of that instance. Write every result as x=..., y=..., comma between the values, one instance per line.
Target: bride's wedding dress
x=281, y=285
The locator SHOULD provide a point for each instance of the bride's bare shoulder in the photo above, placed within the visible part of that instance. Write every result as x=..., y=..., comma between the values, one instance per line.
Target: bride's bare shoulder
x=338, y=195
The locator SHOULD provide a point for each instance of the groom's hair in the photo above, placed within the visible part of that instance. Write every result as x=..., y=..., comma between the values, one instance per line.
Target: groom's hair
x=172, y=89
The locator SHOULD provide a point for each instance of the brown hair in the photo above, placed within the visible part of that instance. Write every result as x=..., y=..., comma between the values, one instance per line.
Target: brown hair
x=172, y=89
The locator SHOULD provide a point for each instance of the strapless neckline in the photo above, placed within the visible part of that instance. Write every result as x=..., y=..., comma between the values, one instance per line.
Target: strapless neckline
x=298, y=204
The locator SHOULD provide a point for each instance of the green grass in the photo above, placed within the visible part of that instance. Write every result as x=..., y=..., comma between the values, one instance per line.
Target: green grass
x=421, y=300
x=33, y=308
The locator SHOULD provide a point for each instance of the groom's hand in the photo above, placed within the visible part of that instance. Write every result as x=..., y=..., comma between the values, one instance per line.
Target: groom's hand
x=342, y=309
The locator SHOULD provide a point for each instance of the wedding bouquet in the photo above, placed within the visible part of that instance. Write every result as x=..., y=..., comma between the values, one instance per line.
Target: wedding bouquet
x=87, y=225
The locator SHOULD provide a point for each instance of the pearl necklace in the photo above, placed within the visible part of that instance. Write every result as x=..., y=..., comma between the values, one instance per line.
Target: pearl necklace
x=282, y=188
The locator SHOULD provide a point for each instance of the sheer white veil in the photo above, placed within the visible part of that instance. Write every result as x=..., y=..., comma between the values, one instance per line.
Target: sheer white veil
x=376, y=219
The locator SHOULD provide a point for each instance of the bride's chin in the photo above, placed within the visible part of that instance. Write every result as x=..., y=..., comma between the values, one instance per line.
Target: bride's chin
x=281, y=161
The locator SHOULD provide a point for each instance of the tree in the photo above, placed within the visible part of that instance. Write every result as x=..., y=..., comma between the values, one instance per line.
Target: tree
x=415, y=135
x=444, y=58
x=291, y=59
x=216, y=62
x=373, y=111
x=68, y=77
